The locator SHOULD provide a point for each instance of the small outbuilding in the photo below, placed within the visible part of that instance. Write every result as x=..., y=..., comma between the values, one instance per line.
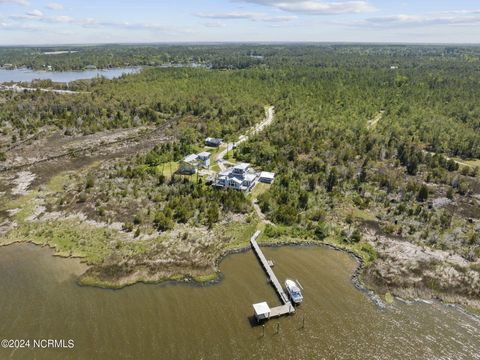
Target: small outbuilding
x=213, y=142
x=266, y=177
x=262, y=311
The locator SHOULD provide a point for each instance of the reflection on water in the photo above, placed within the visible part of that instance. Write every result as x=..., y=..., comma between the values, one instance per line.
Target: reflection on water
x=27, y=75
x=39, y=299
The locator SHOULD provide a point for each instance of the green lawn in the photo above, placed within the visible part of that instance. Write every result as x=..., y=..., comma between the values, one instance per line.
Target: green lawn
x=168, y=169
x=259, y=189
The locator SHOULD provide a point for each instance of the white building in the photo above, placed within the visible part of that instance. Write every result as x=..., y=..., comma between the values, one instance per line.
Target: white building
x=204, y=159
x=190, y=164
x=240, y=177
x=262, y=311
x=266, y=177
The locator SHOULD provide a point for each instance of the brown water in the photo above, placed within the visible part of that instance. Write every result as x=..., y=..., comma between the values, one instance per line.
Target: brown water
x=39, y=299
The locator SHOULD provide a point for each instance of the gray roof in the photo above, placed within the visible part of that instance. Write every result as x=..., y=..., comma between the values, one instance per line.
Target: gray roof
x=204, y=155
x=210, y=139
x=242, y=166
x=267, y=175
x=190, y=158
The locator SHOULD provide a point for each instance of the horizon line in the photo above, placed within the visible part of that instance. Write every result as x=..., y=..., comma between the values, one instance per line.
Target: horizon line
x=247, y=42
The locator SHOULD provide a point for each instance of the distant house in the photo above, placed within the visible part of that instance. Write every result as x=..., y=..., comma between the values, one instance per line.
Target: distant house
x=188, y=166
x=266, y=177
x=204, y=159
x=240, y=177
x=213, y=142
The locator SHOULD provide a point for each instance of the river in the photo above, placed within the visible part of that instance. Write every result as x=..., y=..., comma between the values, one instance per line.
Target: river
x=27, y=75
x=39, y=299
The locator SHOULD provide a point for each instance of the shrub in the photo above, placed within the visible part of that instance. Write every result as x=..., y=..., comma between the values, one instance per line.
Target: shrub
x=82, y=197
x=128, y=227
x=422, y=193
x=162, y=222
x=90, y=182
x=356, y=236
x=321, y=231
x=137, y=219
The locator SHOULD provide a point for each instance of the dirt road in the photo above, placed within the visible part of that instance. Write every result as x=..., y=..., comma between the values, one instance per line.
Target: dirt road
x=242, y=138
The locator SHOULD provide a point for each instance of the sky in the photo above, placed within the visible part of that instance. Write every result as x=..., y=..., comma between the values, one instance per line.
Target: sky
x=44, y=22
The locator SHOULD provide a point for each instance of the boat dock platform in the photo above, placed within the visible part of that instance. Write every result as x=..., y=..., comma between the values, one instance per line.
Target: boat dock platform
x=264, y=312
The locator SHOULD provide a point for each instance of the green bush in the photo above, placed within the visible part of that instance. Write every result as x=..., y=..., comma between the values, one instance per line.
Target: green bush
x=320, y=231
x=162, y=222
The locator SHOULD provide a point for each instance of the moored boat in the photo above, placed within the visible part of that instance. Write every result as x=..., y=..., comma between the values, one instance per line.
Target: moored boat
x=294, y=291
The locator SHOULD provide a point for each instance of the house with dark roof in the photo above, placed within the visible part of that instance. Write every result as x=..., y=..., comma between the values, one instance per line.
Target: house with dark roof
x=213, y=142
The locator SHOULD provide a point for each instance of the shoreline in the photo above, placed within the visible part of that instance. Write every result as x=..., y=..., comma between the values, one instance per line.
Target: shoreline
x=217, y=276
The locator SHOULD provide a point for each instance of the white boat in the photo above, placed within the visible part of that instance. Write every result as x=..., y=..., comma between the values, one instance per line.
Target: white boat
x=294, y=291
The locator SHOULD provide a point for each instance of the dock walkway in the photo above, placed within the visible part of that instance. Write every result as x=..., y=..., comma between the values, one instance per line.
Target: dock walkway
x=287, y=307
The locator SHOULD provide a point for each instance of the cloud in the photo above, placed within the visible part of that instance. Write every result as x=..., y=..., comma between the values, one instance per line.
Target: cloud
x=277, y=19
x=229, y=15
x=238, y=15
x=456, y=17
x=214, y=24
x=55, y=6
x=15, y=27
x=316, y=7
x=35, y=14
x=18, y=2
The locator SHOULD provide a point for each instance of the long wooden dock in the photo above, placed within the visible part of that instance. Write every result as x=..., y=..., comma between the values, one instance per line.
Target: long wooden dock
x=287, y=307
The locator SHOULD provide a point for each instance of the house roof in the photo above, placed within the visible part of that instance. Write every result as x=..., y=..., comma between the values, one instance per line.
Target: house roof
x=242, y=166
x=261, y=308
x=204, y=155
x=190, y=158
x=238, y=181
x=267, y=175
x=250, y=177
x=210, y=139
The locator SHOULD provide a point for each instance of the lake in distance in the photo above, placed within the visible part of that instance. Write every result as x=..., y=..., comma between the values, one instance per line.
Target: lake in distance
x=27, y=75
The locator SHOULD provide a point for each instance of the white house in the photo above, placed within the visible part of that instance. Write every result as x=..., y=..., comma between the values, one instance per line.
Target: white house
x=204, y=159
x=240, y=169
x=239, y=177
